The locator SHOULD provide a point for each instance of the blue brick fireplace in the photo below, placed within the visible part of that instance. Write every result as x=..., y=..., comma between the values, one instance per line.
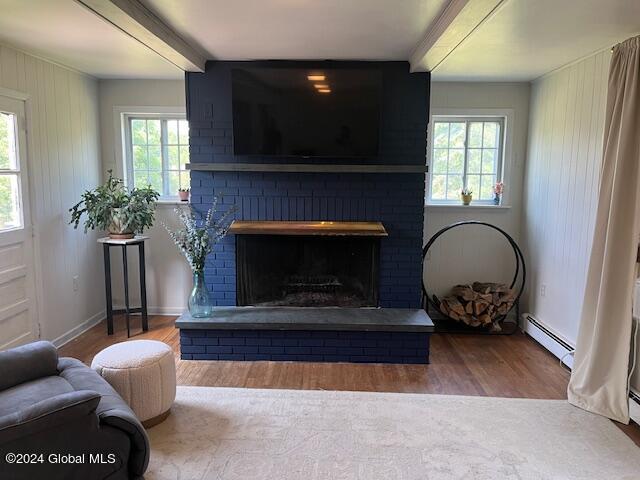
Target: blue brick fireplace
x=388, y=188
x=395, y=199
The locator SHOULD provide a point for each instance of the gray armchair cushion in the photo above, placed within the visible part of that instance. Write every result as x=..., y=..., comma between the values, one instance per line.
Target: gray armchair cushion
x=46, y=414
x=26, y=394
x=29, y=362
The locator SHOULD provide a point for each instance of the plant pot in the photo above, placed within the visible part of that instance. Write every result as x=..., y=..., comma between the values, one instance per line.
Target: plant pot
x=466, y=199
x=184, y=195
x=119, y=228
x=200, y=305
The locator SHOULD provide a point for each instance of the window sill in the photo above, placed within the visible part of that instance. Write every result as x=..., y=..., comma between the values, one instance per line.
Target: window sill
x=169, y=201
x=455, y=206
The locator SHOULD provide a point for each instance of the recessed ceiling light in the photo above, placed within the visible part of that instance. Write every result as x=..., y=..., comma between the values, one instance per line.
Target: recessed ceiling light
x=316, y=78
x=321, y=85
x=324, y=90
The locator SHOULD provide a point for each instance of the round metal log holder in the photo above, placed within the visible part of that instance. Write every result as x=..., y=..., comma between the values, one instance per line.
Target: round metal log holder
x=519, y=277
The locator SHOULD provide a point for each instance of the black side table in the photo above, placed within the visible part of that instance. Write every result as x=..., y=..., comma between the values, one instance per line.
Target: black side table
x=107, y=243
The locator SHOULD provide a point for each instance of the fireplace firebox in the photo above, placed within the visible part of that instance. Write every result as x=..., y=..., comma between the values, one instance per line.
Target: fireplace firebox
x=307, y=264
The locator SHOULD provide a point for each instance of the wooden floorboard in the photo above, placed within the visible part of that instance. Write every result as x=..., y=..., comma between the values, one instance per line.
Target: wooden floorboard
x=461, y=364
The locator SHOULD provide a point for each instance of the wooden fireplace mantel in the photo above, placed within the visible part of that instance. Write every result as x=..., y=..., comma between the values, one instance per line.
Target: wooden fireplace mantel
x=362, y=229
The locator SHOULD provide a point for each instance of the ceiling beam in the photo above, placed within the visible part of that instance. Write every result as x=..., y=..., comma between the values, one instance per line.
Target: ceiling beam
x=140, y=23
x=458, y=20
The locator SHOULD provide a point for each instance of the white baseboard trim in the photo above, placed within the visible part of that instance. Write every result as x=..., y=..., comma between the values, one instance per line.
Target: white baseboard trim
x=159, y=310
x=100, y=316
x=166, y=310
x=549, y=339
x=79, y=330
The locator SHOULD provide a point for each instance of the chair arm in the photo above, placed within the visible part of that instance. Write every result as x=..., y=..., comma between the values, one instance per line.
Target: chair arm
x=49, y=413
x=28, y=362
x=112, y=410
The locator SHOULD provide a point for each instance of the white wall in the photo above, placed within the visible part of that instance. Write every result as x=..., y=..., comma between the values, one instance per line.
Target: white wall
x=63, y=160
x=168, y=275
x=561, y=189
x=477, y=253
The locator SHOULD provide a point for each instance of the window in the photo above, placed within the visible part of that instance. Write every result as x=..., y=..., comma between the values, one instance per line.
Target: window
x=157, y=150
x=10, y=205
x=466, y=153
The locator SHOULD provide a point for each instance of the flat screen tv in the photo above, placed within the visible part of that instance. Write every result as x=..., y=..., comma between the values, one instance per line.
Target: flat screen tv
x=306, y=112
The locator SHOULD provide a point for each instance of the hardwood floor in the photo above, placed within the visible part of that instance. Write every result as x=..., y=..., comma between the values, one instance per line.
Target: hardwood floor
x=498, y=366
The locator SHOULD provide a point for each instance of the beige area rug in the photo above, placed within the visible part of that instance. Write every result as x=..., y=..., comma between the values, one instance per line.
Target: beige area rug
x=245, y=434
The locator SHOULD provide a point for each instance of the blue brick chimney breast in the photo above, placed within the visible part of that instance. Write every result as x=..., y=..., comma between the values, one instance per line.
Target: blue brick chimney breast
x=395, y=199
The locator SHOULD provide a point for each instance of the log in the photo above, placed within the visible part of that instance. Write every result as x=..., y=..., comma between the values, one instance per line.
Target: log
x=455, y=305
x=479, y=307
x=490, y=287
x=469, y=307
x=465, y=292
x=507, y=297
x=444, y=307
x=481, y=287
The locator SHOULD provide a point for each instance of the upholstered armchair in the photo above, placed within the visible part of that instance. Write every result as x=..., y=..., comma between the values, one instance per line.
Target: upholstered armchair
x=71, y=421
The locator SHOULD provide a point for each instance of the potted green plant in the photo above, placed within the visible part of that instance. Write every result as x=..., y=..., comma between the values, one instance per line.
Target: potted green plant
x=467, y=195
x=113, y=208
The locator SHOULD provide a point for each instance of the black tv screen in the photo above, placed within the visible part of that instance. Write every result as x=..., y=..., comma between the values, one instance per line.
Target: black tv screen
x=306, y=112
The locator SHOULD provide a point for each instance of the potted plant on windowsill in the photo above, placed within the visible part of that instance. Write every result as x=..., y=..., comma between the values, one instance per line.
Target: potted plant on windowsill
x=195, y=241
x=466, y=195
x=112, y=208
x=183, y=193
x=498, y=189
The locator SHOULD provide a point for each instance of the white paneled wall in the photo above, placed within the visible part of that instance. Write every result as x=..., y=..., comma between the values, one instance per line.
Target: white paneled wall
x=476, y=253
x=63, y=160
x=561, y=188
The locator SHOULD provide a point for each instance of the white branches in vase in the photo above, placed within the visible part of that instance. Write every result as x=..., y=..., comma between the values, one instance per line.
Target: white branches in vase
x=196, y=240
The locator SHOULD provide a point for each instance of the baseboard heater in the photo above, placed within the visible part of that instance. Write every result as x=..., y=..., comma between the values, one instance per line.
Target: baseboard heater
x=555, y=337
x=634, y=406
x=548, y=339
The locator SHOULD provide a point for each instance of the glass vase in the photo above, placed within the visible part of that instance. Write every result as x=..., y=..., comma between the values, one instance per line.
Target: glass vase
x=496, y=199
x=200, y=305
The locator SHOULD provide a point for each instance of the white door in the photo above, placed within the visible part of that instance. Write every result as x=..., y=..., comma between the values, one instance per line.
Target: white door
x=17, y=284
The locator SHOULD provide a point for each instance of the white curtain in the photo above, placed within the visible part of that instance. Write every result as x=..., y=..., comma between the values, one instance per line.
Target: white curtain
x=599, y=379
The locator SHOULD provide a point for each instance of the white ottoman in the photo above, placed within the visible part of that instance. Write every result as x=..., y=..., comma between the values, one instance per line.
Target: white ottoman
x=143, y=372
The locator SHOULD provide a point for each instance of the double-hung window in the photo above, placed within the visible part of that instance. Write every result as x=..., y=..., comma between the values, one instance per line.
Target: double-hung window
x=466, y=152
x=10, y=200
x=157, y=151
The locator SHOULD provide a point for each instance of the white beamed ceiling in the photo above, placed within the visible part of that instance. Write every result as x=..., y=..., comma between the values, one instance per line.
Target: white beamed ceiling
x=521, y=41
x=526, y=39
x=67, y=33
x=301, y=29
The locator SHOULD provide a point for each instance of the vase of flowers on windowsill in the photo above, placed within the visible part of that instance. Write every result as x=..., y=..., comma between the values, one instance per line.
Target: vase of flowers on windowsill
x=183, y=193
x=498, y=188
x=195, y=241
x=466, y=195
x=113, y=208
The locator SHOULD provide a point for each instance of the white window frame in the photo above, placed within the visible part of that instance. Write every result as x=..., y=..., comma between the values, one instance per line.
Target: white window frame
x=123, y=152
x=505, y=116
x=17, y=173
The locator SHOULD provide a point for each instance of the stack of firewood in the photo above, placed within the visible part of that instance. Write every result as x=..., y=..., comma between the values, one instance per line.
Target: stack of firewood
x=478, y=305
